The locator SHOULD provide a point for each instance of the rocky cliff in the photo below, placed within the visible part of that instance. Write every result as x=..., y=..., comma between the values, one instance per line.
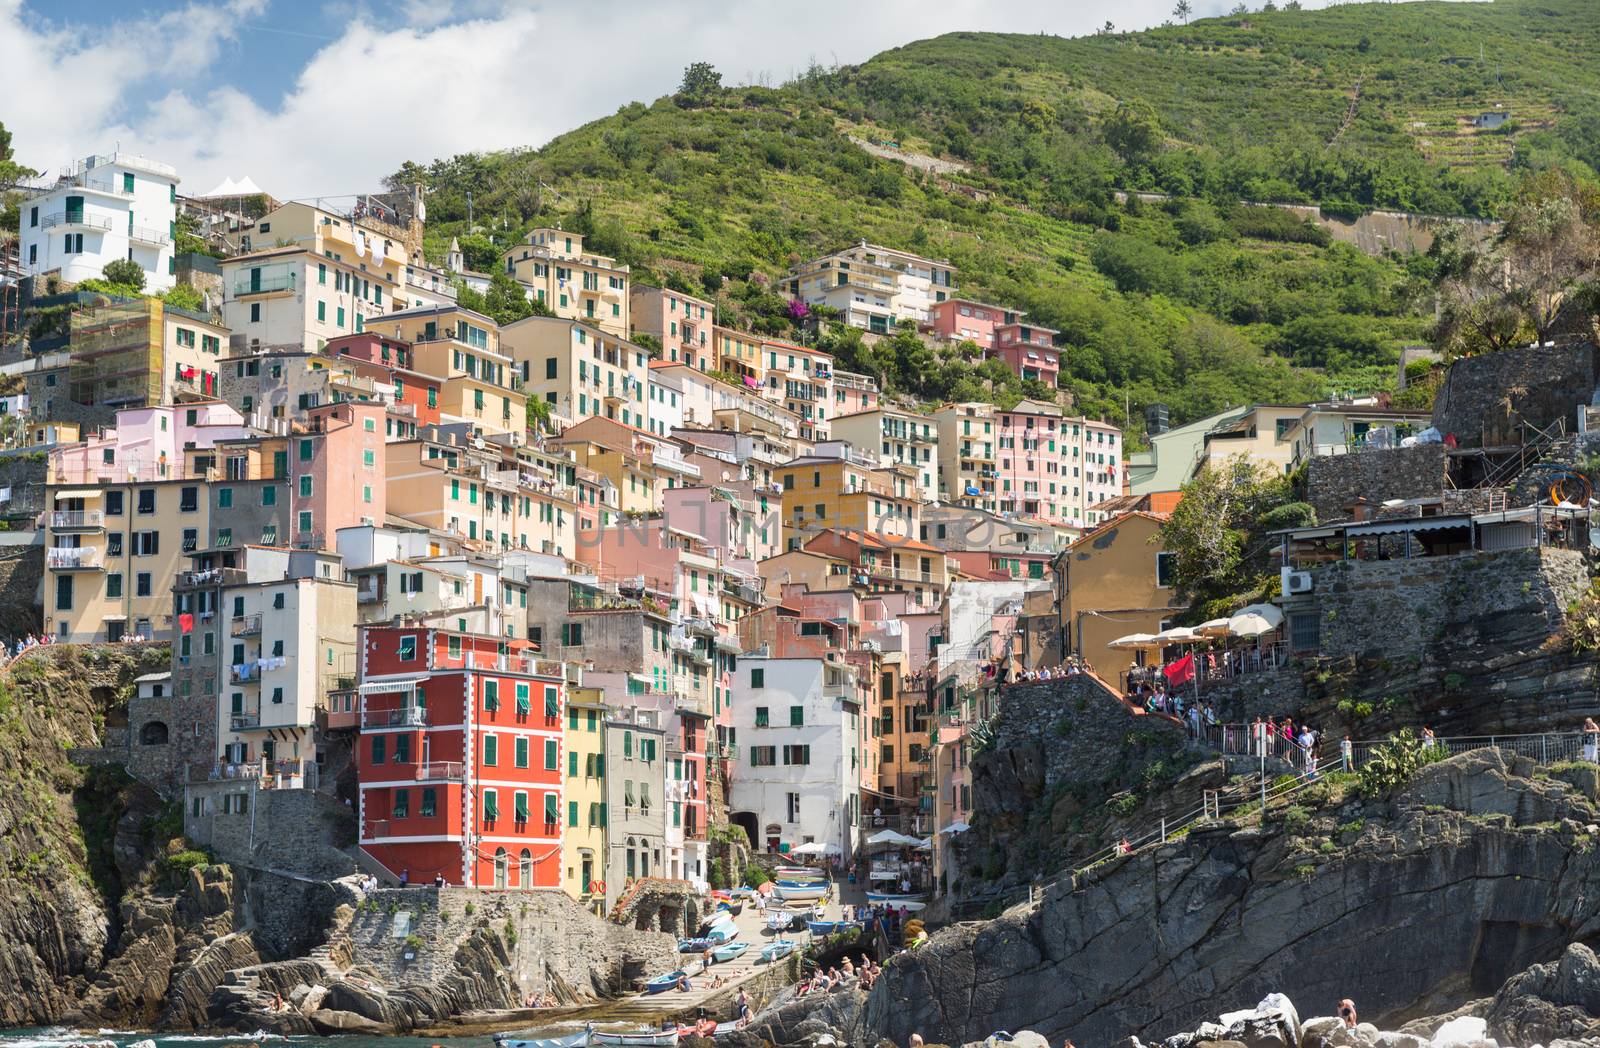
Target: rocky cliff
x=1474, y=871
x=70, y=837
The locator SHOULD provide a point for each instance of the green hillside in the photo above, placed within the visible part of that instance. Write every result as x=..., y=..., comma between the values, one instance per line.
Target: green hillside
x=1200, y=302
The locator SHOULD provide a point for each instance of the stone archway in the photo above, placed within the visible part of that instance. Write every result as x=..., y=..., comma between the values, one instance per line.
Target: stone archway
x=153, y=733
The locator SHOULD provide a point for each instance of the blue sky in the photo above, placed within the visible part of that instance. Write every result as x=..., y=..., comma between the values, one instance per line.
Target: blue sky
x=325, y=97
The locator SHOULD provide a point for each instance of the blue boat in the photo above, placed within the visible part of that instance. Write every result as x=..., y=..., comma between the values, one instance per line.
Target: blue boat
x=776, y=949
x=829, y=927
x=729, y=952
x=663, y=983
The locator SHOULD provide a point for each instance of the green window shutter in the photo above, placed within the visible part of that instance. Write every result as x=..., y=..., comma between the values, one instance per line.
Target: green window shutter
x=522, y=751
x=602, y=814
x=627, y=744
x=524, y=703
x=491, y=750
x=491, y=695
x=572, y=813
x=572, y=763
x=552, y=757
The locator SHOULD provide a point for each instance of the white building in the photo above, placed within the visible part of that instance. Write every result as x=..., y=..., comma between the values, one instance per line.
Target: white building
x=797, y=725
x=118, y=206
x=898, y=438
x=873, y=287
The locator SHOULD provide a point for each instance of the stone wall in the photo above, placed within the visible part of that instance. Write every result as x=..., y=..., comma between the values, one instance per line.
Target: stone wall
x=21, y=571
x=298, y=831
x=23, y=472
x=555, y=945
x=1399, y=608
x=1483, y=397
x=1334, y=482
x=190, y=723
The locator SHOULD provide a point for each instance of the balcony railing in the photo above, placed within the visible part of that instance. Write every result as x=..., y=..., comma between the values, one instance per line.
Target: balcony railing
x=290, y=774
x=76, y=518
x=149, y=235
x=435, y=771
x=263, y=285
x=241, y=673
x=70, y=557
x=75, y=218
x=368, y=594
x=245, y=721
x=402, y=717
x=245, y=625
x=308, y=540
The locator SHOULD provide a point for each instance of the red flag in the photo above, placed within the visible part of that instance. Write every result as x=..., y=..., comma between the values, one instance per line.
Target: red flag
x=1180, y=672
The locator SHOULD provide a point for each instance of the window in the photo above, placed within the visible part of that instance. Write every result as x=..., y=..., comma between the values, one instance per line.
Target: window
x=63, y=592
x=379, y=742
x=402, y=804
x=552, y=811
x=147, y=500
x=113, y=503
x=491, y=806
x=797, y=755
x=305, y=485
x=520, y=759
x=224, y=498
x=763, y=756
x=408, y=649
x=114, y=585
x=521, y=805
x=491, y=750
x=552, y=702
x=1166, y=569
x=524, y=703
x=491, y=695
x=552, y=758
x=797, y=716
x=429, y=802
x=758, y=678
x=762, y=720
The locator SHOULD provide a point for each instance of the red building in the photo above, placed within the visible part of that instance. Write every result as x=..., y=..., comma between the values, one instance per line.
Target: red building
x=459, y=758
x=388, y=362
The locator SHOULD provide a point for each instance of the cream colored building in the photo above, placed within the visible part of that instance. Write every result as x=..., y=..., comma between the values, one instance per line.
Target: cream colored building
x=300, y=297
x=873, y=287
x=580, y=371
x=898, y=438
x=575, y=284
x=968, y=465
x=461, y=348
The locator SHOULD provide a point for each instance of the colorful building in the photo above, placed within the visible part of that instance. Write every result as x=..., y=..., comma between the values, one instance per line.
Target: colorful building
x=1116, y=580
x=106, y=208
x=459, y=758
x=873, y=287
x=575, y=284
x=580, y=371
x=583, y=841
x=461, y=348
x=681, y=323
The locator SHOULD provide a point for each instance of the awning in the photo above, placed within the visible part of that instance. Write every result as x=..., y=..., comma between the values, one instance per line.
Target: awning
x=379, y=687
x=79, y=493
x=1405, y=525
x=894, y=837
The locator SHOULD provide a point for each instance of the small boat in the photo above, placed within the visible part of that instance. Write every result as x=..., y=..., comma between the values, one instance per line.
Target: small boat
x=734, y=908
x=571, y=1040
x=801, y=892
x=908, y=905
x=894, y=898
x=778, y=922
x=663, y=983
x=698, y=944
x=776, y=949
x=729, y=951
x=829, y=927
x=637, y=1039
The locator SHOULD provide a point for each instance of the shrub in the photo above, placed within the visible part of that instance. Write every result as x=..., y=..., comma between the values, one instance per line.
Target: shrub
x=179, y=864
x=1295, y=819
x=1391, y=764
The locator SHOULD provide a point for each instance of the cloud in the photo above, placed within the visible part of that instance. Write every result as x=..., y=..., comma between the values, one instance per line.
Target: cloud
x=436, y=78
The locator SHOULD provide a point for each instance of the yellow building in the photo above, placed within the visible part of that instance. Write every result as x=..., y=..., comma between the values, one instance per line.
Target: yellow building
x=462, y=349
x=583, y=840
x=838, y=487
x=969, y=472
x=738, y=352
x=575, y=284
x=451, y=489
x=1115, y=580
x=579, y=371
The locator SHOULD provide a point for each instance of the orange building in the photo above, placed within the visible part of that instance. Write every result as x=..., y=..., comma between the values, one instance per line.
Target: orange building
x=459, y=758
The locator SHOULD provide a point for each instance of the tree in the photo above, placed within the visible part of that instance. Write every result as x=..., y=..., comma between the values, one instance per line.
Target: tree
x=185, y=296
x=1239, y=10
x=1182, y=11
x=125, y=272
x=1540, y=272
x=700, y=82
x=1132, y=131
x=1218, y=531
x=1291, y=5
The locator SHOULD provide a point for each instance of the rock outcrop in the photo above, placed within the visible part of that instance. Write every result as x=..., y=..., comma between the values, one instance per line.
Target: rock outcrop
x=1470, y=874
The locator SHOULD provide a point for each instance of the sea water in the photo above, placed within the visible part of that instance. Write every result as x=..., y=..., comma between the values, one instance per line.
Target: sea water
x=60, y=1037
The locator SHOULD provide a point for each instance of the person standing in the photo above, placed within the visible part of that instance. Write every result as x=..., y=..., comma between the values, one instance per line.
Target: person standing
x=1591, y=740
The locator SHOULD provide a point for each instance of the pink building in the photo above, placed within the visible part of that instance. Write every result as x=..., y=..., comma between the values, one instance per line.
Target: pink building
x=681, y=323
x=732, y=517
x=1056, y=468
x=146, y=443
x=963, y=320
x=336, y=469
x=1029, y=351
x=853, y=393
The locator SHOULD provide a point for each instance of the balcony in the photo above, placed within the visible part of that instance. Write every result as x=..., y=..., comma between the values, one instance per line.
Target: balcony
x=436, y=771
x=245, y=721
x=273, y=285
x=73, y=558
x=403, y=717
x=75, y=220
x=245, y=626
x=290, y=774
x=244, y=673
x=149, y=235
x=368, y=592
x=76, y=519
x=308, y=540
x=211, y=577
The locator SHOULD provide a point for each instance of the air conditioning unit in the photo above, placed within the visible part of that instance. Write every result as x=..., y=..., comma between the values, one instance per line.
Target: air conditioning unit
x=1295, y=582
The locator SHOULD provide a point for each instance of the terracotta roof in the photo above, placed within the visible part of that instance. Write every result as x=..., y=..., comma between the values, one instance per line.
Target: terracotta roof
x=1119, y=518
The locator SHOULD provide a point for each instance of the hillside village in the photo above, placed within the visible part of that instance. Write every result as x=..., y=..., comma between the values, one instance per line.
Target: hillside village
x=424, y=598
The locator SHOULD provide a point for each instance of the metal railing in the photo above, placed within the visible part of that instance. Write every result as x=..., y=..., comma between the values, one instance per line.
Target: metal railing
x=245, y=625
x=263, y=285
x=75, y=218
x=76, y=518
x=288, y=774
x=149, y=235
x=433, y=771
x=402, y=717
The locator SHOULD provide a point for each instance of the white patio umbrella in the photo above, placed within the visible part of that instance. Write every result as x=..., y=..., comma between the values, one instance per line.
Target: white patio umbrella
x=1177, y=635
x=1213, y=628
x=1251, y=625
x=1134, y=641
x=814, y=848
x=894, y=837
x=956, y=827
x=1271, y=612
